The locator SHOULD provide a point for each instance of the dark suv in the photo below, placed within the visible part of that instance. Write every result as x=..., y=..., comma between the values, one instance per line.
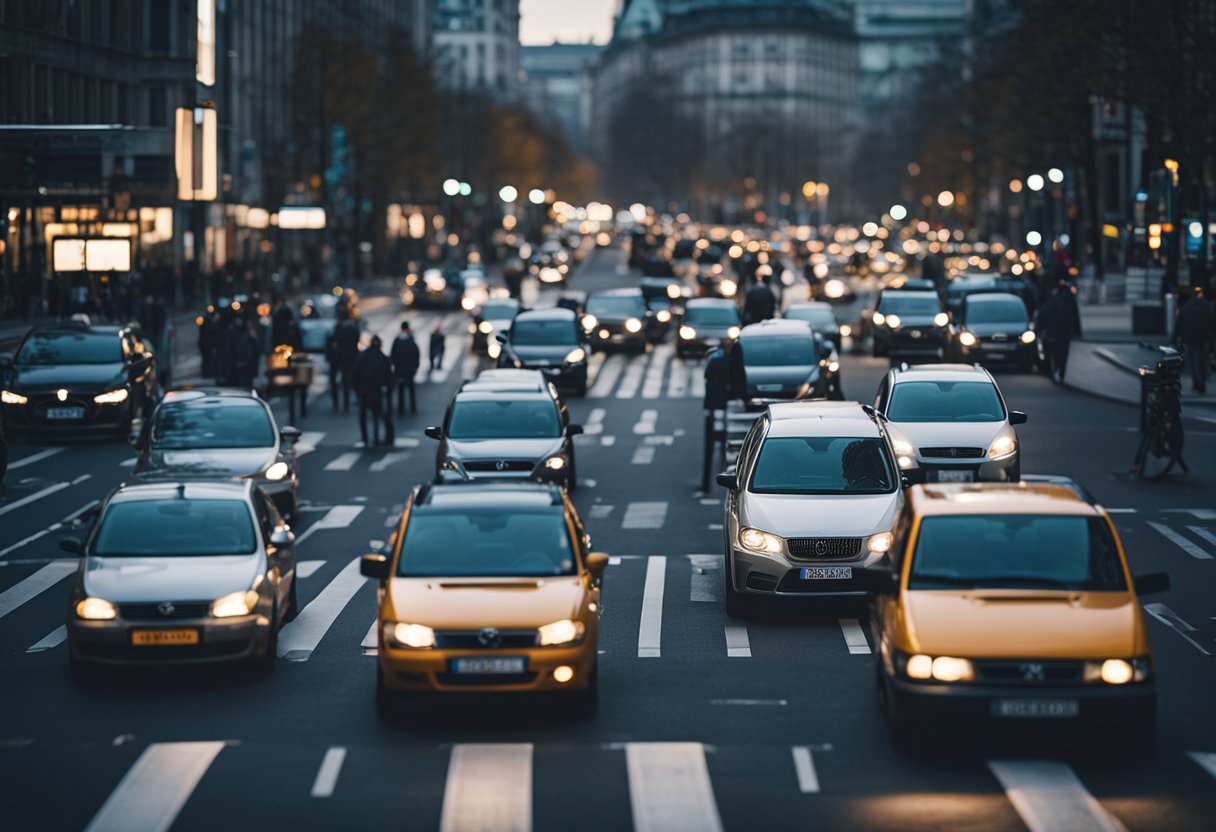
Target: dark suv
x=549, y=340
x=909, y=325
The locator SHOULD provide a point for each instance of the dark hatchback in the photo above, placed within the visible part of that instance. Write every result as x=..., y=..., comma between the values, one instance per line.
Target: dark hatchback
x=619, y=318
x=909, y=325
x=785, y=360
x=76, y=379
x=994, y=329
x=707, y=323
x=549, y=340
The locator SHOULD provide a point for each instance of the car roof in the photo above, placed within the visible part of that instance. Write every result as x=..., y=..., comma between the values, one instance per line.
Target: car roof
x=820, y=418
x=775, y=327
x=914, y=293
x=710, y=303
x=191, y=394
x=513, y=376
x=494, y=392
x=75, y=328
x=942, y=372
x=175, y=485
x=989, y=297
x=554, y=313
x=811, y=304
x=945, y=499
x=624, y=291
x=519, y=495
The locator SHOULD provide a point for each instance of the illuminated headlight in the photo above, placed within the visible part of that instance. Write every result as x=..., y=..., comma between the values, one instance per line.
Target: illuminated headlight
x=485, y=327
x=1117, y=671
x=728, y=288
x=1002, y=446
x=881, y=542
x=893, y=321
x=415, y=636
x=673, y=291
x=555, y=463
x=830, y=366
x=493, y=349
x=834, y=288
x=234, y=604
x=9, y=397
x=845, y=330
x=758, y=541
x=1028, y=336
x=967, y=339
x=590, y=322
x=941, y=319
x=941, y=669
x=435, y=284
x=905, y=454
x=277, y=471
x=664, y=316
x=633, y=325
x=575, y=355
x=467, y=304
x=112, y=396
x=95, y=609
x=472, y=328
x=560, y=632
x=879, y=319
x=687, y=332
x=550, y=275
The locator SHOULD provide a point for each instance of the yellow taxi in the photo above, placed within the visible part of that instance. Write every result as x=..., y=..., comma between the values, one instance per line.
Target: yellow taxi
x=1004, y=604
x=488, y=588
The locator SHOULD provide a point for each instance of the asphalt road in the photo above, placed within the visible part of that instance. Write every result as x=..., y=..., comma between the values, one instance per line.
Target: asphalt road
x=771, y=724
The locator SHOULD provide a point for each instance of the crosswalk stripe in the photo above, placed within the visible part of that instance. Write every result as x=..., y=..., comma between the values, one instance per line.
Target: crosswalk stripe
x=595, y=422
x=344, y=462
x=370, y=640
x=628, y=387
x=643, y=455
x=327, y=774
x=650, y=626
x=338, y=517
x=804, y=767
x=854, y=636
x=737, y=644
x=388, y=460
x=32, y=458
x=644, y=515
x=50, y=641
x=1176, y=623
x=1049, y=797
x=1206, y=535
x=35, y=584
x=154, y=790
x=677, y=384
x=1192, y=549
x=37, y=495
x=652, y=388
x=646, y=422
x=308, y=441
x=705, y=577
x=488, y=789
x=300, y=637
x=670, y=789
x=606, y=378
x=1205, y=760
x=696, y=387
x=306, y=568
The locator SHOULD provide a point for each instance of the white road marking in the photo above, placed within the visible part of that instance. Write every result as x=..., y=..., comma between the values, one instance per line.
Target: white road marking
x=737, y=644
x=306, y=568
x=308, y=442
x=644, y=455
x=706, y=577
x=606, y=378
x=646, y=422
x=666, y=439
x=710, y=501
x=653, y=386
x=387, y=460
x=595, y=422
x=154, y=790
x=338, y=517
x=489, y=788
x=633, y=378
x=36, y=584
x=1206, y=535
x=50, y=641
x=1197, y=513
x=1175, y=622
x=804, y=766
x=644, y=515
x=854, y=636
x=327, y=774
x=1205, y=760
x=468, y=367
x=32, y=458
x=37, y=495
x=370, y=641
x=650, y=626
x=1049, y=797
x=344, y=462
x=1121, y=510
x=670, y=789
x=607, y=441
x=677, y=385
x=1192, y=549
x=600, y=511
x=300, y=637
x=406, y=442
x=614, y=560
x=696, y=386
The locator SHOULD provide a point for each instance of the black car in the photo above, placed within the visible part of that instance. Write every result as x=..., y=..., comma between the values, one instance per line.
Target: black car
x=909, y=325
x=993, y=328
x=494, y=316
x=786, y=360
x=435, y=288
x=618, y=318
x=665, y=299
x=549, y=340
x=821, y=316
x=707, y=323
x=974, y=283
x=73, y=378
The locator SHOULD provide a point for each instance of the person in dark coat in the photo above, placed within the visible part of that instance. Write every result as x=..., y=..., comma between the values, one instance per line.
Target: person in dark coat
x=371, y=376
x=1195, y=330
x=243, y=354
x=406, y=359
x=436, y=347
x=759, y=304
x=343, y=351
x=283, y=329
x=1058, y=322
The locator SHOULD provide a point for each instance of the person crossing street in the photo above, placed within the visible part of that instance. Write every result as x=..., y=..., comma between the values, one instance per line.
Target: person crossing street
x=406, y=359
x=371, y=377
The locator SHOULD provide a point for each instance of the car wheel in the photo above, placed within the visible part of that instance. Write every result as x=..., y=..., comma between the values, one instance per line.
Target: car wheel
x=572, y=476
x=293, y=598
x=587, y=702
x=1015, y=475
x=263, y=665
x=736, y=602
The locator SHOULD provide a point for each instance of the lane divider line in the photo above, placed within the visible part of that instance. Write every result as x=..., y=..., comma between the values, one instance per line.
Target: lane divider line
x=1049, y=797
x=1192, y=549
x=154, y=790
x=650, y=626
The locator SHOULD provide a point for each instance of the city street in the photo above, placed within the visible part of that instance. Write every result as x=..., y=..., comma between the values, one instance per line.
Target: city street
x=704, y=723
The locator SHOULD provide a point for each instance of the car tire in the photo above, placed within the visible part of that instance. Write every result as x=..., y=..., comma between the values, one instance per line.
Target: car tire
x=263, y=665
x=293, y=598
x=572, y=476
x=1016, y=474
x=587, y=702
x=736, y=602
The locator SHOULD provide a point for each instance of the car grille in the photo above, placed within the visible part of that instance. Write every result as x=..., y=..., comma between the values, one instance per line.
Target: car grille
x=471, y=640
x=953, y=453
x=1029, y=672
x=821, y=548
x=511, y=465
x=191, y=609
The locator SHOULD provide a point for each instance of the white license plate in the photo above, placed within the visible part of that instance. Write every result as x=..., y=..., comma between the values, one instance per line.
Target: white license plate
x=955, y=476
x=827, y=573
x=490, y=665
x=1000, y=345
x=1036, y=708
x=65, y=413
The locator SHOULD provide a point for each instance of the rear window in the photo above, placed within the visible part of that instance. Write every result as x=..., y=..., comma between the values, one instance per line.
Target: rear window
x=499, y=310
x=945, y=401
x=212, y=424
x=905, y=303
x=616, y=305
x=544, y=333
x=167, y=528
x=994, y=311
x=504, y=419
x=774, y=351
x=823, y=465
x=486, y=543
x=711, y=316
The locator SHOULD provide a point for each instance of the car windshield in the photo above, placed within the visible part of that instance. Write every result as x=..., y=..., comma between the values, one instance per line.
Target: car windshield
x=822, y=465
x=906, y=303
x=169, y=528
x=783, y=351
x=497, y=310
x=616, y=305
x=485, y=543
x=212, y=424
x=945, y=401
x=817, y=316
x=1016, y=551
x=711, y=316
x=502, y=418
x=544, y=334
x=52, y=348
x=994, y=311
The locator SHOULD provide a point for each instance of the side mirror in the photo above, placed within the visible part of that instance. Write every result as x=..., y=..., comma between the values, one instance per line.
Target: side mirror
x=290, y=435
x=282, y=536
x=596, y=563
x=878, y=580
x=574, y=430
x=501, y=338
x=1151, y=583
x=374, y=566
x=71, y=545
x=434, y=432
x=730, y=481
x=1017, y=417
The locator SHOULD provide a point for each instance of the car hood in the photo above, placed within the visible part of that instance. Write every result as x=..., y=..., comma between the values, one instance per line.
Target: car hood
x=225, y=462
x=1023, y=623
x=948, y=434
x=790, y=376
x=31, y=378
x=178, y=578
x=467, y=449
x=802, y=515
x=543, y=354
x=473, y=603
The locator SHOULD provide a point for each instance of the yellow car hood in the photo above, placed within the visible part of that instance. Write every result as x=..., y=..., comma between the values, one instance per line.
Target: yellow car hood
x=473, y=603
x=1023, y=624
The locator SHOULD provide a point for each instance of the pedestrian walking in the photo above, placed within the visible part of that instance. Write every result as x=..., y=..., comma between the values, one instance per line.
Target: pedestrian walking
x=759, y=304
x=406, y=359
x=341, y=352
x=283, y=329
x=1058, y=322
x=243, y=354
x=1195, y=330
x=372, y=378
x=436, y=347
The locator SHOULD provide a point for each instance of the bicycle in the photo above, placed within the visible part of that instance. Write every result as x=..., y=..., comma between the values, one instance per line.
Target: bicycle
x=1160, y=416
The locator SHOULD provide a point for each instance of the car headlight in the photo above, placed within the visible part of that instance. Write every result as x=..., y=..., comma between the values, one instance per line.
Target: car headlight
x=845, y=330
x=758, y=541
x=415, y=636
x=485, y=327
x=673, y=291
x=941, y=319
x=830, y=365
x=1028, y=336
x=493, y=349
x=881, y=542
x=1118, y=671
x=879, y=319
x=633, y=325
x=727, y=288
x=560, y=632
x=687, y=332
x=834, y=288
x=893, y=321
x=95, y=609
x=234, y=604
x=590, y=322
x=112, y=396
x=277, y=471
x=555, y=463
x=472, y=328
x=663, y=316
x=733, y=332
x=967, y=339
x=1002, y=446
x=575, y=355
x=942, y=668
x=9, y=397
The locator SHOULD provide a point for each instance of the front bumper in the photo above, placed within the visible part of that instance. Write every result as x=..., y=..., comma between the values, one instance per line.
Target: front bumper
x=911, y=341
x=32, y=417
x=430, y=671
x=219, y=640
x=615, y=335
x=755, y=574
x=1004, y=469
x=1001, y=354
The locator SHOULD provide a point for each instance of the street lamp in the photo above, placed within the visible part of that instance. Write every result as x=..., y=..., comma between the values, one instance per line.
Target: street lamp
x=1015, y=186
x=536, y=196
x=451, y=187
x=508, y=193
x=808, y=189
x=898, y=212
x=945, y=199
x=1055, y=175
x=1035, y=181
x=465, y=189
x=1033, y=238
